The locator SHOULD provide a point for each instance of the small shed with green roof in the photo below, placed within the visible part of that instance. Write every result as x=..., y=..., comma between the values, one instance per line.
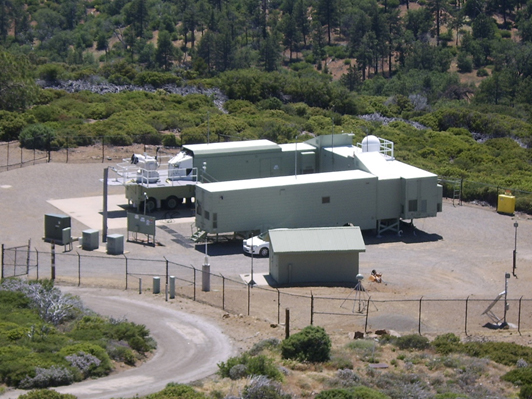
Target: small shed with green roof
x=315, y=256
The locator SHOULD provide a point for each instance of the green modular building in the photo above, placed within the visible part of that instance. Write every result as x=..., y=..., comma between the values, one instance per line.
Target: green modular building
x=312, y=200
x=326, y=255
x=239, y=160
x=360, y=185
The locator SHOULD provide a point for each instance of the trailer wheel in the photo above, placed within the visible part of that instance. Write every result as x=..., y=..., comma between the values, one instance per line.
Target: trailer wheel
x=151, y=204
x=264, y=252
x=173, y=202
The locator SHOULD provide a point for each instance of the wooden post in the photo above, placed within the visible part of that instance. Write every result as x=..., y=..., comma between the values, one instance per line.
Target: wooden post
x=419, y=317
x=466, y=308
x=53, y=262
x=311, y=308
x=287, y=323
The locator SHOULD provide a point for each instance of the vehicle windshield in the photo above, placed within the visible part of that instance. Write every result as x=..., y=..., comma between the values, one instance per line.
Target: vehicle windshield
x=264, y=236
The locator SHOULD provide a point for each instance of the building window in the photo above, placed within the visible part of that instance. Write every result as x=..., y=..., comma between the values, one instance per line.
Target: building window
x=325, y=200
x=198, y=208
x=214, y=220
x=207, y=215
x=412, y=205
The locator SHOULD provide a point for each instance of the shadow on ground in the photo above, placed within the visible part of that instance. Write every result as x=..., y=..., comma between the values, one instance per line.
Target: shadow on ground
x=408, y=234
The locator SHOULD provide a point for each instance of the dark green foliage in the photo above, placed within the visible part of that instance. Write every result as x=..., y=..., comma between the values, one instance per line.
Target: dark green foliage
x=11, y=124
x=38, y=136
x=311, y=344
x=252, y=365
x=519, y=376
x=506, y=353
x=46, y=394
x=412, y=341
x=177, y=391
x=155, y=79
x=359, y=392
x=525, y=392
x=446, y=344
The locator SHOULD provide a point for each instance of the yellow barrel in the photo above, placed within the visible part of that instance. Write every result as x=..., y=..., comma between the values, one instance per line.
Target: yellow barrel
x=506, y=204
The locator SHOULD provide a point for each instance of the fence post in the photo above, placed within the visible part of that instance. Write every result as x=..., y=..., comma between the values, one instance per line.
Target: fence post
x=367, y=314
x=28, y=258
x=79, y=268
x=311, y=308
x=223, y=292
x=166, y=287
x=37, y=260
x=287, y=323
x=103, y=148
x=140, y=285
x=249, y=298
x=53, y=261
x=466, y=308
x=2, y=272
x=7, y=160
x=419, y=317
x=127, y=274
x=278, y=306
x=519, y=317
x=194, y=282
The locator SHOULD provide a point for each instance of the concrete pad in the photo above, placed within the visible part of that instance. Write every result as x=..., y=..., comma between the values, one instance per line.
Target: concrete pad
x=259, y=278
x=89, y=211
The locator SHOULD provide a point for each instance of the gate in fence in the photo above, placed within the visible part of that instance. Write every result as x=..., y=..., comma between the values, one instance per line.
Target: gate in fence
x=18, y=261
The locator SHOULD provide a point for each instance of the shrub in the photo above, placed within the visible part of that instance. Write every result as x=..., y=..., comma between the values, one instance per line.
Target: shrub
x=482, y=72
x=446, y=343
x=177, y=391
x=264, y=344
x=38, y=136
x=522, y=376
x=412, y=341
x=260, y=387
x=525, y=392
x=102, y=369
x=84, y=362
x=335, y=393
x=506, y=353
x=310, y=344
x=48, y=377
x=170, y=140
x=46, y=394
x=253, y=365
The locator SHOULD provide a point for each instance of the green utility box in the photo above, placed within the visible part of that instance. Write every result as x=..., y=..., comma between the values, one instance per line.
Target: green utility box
x=91, y=240
x=54, y=226
x=115, y=244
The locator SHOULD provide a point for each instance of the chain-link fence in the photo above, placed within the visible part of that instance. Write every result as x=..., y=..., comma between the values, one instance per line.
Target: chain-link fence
x=466, y=190
x=102, y=150
x=14, y=156
x=351, y=310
